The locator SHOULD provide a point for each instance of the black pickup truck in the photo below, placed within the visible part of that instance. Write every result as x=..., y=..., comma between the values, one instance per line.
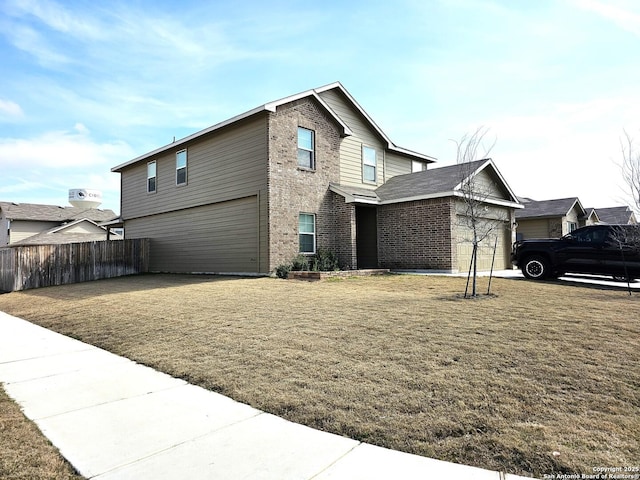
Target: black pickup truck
x=612, y=250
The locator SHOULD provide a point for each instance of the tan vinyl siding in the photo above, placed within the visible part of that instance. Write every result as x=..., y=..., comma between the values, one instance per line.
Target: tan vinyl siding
x=572, y=217
x=222, y=237
x=488, y=185
x=21, y=229
x=224, y=166
x=351, y=146
x=396, y=165
x=83, y=227
x=533, y=228
x=230, y=163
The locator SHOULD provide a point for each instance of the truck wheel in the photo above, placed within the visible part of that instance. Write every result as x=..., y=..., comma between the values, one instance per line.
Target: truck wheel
x=535, y=268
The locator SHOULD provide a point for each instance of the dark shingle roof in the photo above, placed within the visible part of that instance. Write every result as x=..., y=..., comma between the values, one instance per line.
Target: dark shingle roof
x=548, y=208
x=53, y=213
x=427, y=182
x=614, y=215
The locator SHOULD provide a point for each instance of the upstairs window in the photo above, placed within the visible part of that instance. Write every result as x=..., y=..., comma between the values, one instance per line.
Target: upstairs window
x=306, y=148
x=151, y=177
x=417, y=166
x=307, y=232
x=369, y=167
x=181, y=167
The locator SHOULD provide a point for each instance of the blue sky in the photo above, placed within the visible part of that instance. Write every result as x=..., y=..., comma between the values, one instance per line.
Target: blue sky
x=88, y=85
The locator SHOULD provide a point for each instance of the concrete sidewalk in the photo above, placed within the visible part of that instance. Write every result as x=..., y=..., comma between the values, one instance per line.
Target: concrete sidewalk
x=115, y=419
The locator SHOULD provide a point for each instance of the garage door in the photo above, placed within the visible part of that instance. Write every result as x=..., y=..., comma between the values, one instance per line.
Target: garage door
x=485, y=250
x=221, y=237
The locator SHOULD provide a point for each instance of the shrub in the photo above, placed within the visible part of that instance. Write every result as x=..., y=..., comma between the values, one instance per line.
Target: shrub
x=283, y=270
x=300, y=263
x=325, y=261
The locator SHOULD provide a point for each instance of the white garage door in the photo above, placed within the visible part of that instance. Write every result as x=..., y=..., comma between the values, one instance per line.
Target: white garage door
x=222, y=237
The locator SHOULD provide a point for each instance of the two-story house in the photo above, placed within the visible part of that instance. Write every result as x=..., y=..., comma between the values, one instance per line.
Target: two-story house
x=292, y=176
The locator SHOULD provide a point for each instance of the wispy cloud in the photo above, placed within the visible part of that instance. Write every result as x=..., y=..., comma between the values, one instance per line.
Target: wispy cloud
x=10, y=110
x=61, y=150
x=49, y=164
x=621, y=14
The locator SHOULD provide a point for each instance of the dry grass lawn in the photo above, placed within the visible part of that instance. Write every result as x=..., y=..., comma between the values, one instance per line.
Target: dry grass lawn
x=542, y=378
x=25, y=454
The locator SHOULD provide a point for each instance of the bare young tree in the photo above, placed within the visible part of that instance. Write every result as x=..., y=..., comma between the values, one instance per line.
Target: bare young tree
x=480, y=224
x=631, y=168
x=626, y=239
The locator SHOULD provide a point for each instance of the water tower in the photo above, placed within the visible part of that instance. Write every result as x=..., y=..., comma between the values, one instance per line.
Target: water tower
x=83, y=197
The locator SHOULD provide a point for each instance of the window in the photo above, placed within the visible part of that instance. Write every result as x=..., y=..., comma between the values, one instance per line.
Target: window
x=306, y=150
x=307, y=232
x=181, y=167
x=572, y=226
x=417, y=166
x=369, y=164
x=151, y=177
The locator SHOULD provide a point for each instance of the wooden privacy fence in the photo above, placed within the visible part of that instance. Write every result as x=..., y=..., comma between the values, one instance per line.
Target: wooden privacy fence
x=34, y=266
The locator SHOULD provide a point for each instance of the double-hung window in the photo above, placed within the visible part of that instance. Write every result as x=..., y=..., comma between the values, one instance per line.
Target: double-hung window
x=307, y=232
x=151, y=177
x=181, y=167
x=369, y=166
x=306, y=148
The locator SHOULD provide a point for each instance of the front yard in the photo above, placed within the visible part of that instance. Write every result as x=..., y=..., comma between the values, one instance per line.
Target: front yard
x=542, y=378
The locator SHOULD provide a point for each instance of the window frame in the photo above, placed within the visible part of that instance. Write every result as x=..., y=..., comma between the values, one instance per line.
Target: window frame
x=154, y=177
x=418, y=166
x=179, y=168
x=311, y=152
x=366, y=164
x=312, y=234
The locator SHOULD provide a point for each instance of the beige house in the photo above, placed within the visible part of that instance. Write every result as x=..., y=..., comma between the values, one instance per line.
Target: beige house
x=306, y=172
x=549, y=218
x=77, y=231
x=31, y=223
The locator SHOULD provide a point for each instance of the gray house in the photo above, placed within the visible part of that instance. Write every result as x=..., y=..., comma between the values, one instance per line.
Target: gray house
x=309, y=171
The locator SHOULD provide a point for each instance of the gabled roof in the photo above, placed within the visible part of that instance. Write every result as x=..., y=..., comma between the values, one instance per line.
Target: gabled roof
x=58, y=235
x=433, y=183
x=390, y=145
x=53, y=213
x=616, y=215
x=592, y=214
x=558, y=207
x=443, y=182
x=271, y=107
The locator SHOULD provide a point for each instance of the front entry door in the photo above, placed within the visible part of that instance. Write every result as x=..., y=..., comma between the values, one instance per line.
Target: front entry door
x=367, y=237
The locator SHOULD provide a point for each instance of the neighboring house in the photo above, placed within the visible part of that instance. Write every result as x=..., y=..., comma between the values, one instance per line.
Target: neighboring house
x=550, y=218
x=20, y=221
x=591, y=217
x=616, y=215
x=77, y=231
x=310, y=171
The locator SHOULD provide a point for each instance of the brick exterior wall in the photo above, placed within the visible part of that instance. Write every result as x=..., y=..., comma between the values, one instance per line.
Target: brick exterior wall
x=294, y=190
x=343, y=226
x=417, y=235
